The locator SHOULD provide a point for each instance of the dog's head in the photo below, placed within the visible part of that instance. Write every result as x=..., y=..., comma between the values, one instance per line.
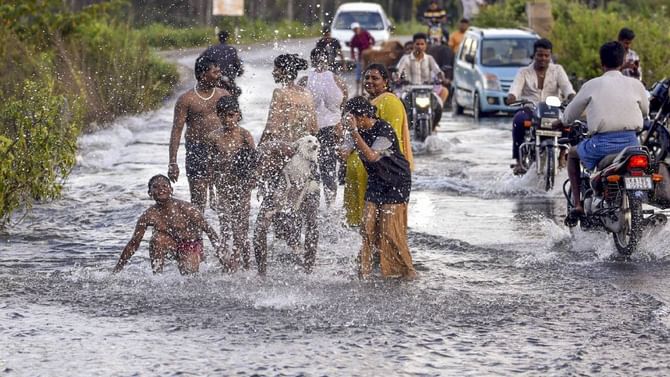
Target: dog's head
x=308, y=147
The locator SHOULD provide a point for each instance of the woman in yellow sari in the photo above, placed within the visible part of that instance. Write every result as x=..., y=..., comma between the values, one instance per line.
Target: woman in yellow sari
x=391, y=109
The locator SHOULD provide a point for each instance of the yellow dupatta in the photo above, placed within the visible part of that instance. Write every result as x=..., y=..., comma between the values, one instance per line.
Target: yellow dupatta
x=391, y=109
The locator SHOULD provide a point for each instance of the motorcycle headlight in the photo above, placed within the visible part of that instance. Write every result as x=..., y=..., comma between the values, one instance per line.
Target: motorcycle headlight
x=422, y=102
x=491, y=81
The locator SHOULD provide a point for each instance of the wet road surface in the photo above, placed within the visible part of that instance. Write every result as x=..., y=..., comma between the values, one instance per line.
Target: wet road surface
x=504, y=288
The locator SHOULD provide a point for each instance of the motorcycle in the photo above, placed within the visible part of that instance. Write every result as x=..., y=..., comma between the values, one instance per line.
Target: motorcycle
x=541, y=143
x=435, y=32
x=423, y=109
x=655, y=135
x=612, y=195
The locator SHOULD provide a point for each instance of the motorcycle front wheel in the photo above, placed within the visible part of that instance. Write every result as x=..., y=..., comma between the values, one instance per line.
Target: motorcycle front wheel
x=422, y=130
x=630, y=220
x=550, y=173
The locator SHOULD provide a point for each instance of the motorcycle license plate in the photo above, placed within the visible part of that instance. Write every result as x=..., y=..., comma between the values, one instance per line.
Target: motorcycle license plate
x=638, y=183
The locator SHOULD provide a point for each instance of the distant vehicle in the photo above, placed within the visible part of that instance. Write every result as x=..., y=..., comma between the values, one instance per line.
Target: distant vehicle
x=372, y=18
x=485, y=66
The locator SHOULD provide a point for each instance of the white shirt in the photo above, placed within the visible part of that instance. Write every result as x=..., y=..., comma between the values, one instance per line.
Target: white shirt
x=417, y=71
x=556, y=82
x=613, y=102
x=327, y=96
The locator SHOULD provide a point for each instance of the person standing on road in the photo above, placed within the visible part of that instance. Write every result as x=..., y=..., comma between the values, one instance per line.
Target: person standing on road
x=229, y=63
x=631, y=61
x=233, y=165
x=390, y=109
x=456, y=37
x=291, y=116
x=387, y=191
x=197, y=110
x=361, y=41
x=333, y=50
x=329, y=93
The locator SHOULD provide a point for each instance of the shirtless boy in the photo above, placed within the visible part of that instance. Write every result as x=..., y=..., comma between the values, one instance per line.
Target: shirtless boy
x=177, y=232
x=234, y=160
x=197, y=109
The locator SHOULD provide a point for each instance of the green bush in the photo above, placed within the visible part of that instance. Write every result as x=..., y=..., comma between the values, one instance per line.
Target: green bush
x=167, y=37
x=62, y=71
x=250, y=31
x=116, y=70
x=37, y=145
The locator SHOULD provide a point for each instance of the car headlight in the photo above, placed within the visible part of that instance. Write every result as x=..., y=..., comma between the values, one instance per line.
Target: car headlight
x=491, y=81
x=422, y=102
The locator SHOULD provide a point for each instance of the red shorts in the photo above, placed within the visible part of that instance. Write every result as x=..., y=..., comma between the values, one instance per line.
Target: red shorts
x=190, y=247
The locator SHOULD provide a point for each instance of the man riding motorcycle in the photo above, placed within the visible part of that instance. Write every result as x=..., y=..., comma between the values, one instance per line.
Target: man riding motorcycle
x=615, y=107
x=436, y=19
x=420, y=68
x=535, y=83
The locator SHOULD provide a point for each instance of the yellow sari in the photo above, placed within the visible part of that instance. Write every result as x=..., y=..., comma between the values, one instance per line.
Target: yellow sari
x=392, y=110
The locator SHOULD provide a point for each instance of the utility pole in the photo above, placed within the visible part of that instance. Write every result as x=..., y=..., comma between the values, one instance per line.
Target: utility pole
x=289, y=11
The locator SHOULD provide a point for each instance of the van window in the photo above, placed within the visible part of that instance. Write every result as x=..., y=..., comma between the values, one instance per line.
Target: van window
x=507, y=52
x=368, y=20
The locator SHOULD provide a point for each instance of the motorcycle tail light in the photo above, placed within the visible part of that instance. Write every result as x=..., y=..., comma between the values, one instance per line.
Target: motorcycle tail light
x=638, y=162
x=613, y=178
x=657, y=178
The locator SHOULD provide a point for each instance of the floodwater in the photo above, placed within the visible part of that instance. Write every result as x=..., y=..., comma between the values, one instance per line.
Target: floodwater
x=503, y=289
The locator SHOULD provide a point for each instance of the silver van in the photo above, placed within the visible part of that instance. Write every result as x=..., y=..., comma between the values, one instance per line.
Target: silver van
x=485, y=66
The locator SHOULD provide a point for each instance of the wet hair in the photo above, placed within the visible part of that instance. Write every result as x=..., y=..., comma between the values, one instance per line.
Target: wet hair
x=626, y=34
x=227, y=104
x=202, y=64
x=383, y=72
x=465, y=20
x=417, y=36
x=290, y=64
x=156, y=177
x=542, y=43
x=325, y=30
x=360, y=106
x=223, y=36
x=318, y=55
x=611, y=54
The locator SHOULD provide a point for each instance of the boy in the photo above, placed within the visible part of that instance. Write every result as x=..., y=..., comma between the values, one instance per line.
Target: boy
x=178, y=228
x=234, y=158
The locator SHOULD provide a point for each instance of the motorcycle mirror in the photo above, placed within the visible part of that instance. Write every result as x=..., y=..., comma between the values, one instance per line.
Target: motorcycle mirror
x=553, y=101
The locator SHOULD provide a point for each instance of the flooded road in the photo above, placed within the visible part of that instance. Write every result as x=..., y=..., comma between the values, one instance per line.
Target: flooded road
x=504, y=288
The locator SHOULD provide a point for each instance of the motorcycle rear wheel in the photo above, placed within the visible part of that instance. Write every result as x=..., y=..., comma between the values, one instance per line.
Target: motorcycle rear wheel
x=630, y=232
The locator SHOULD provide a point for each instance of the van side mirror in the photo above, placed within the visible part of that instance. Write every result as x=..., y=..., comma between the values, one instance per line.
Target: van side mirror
x=391, y=28
x=470, y=59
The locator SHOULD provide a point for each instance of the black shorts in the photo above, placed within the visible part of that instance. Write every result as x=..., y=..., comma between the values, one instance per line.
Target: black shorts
x=197, y=160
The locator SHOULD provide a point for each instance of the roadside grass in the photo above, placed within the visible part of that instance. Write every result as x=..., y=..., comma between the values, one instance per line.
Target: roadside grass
x=162, y=36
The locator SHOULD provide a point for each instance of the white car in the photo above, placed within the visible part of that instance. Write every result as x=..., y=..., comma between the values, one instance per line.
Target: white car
x=370, y=16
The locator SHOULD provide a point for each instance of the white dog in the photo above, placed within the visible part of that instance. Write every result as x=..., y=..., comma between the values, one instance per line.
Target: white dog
x=298, y=173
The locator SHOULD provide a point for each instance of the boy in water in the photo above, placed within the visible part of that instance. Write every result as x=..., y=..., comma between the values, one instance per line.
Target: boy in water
x=177, y=232
x=233, y=154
